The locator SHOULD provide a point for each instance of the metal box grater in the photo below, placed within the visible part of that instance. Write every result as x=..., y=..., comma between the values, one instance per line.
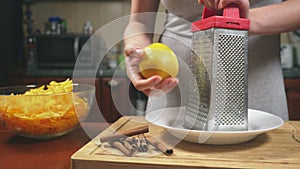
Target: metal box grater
x=218, y=91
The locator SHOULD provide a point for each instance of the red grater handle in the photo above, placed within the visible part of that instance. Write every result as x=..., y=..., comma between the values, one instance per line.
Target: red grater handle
x=231, y=10
x=206, y=13
x=230, y=19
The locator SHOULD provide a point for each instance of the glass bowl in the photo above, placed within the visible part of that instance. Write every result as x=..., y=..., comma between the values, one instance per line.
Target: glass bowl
x=44, y=116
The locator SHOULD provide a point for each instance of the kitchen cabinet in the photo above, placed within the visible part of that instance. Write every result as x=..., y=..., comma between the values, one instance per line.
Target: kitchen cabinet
x=113, y=95
x=292, y=86
x=117, y=93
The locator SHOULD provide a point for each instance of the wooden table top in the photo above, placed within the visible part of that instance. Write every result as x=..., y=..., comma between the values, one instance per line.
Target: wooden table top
x=278, y=148
x=22, y=153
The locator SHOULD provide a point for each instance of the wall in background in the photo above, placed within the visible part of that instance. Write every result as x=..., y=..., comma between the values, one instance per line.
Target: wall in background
x=78, y=12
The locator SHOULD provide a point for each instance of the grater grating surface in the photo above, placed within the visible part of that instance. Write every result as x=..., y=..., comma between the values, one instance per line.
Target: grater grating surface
x=218, y=93
x=231, y=82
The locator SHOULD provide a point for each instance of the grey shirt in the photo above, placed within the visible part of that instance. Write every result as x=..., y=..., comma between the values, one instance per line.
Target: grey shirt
x=265, y=80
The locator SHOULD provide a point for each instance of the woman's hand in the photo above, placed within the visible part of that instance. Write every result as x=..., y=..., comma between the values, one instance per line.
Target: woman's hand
x=134, y=55
x=220, y=4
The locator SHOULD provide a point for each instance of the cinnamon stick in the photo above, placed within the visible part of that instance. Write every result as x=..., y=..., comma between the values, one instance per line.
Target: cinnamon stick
x=122, y=148
x=160, y=146
x=143, y=144
x=131, y=140
x=122, y=134
x=129, y=146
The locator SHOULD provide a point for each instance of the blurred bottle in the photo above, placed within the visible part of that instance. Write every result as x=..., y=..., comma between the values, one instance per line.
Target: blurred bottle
x=286, y=54
x=88, y=28
x=121, y=56
x=121, y=61
x=141, y=101
x=112, y=57
x=294, y=37
x=64, y=26
x=52, y=22
x=31, y=60
x=53, y=26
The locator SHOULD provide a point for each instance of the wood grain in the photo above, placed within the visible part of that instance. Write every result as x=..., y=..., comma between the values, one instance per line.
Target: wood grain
x=274, y=149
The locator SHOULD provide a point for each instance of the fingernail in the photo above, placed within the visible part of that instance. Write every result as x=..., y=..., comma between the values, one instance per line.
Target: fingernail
x=139, y=51
x=172, y=83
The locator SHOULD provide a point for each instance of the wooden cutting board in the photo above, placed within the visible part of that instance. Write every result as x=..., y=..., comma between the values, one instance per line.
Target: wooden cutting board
x=279, y=148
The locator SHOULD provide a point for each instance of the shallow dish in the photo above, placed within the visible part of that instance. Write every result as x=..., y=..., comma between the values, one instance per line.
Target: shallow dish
x=47, y=115
x=172, y=119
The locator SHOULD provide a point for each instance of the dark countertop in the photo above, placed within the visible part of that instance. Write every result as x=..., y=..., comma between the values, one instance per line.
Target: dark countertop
x=292, y=73
x=22, y=153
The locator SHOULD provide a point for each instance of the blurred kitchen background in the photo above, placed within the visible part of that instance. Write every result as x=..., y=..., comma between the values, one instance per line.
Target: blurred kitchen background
x=32, y=29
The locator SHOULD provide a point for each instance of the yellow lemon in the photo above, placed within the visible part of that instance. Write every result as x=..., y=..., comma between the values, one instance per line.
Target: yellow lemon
x=159, y=60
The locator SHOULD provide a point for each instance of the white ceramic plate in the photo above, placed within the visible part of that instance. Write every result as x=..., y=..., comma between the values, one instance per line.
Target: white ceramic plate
x=172, y=120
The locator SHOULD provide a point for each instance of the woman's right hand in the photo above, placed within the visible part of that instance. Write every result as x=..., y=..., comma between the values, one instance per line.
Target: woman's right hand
x=134, y=55
x=220, y=4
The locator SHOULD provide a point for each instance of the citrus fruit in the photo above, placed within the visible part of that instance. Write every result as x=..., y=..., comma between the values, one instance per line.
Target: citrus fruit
x=159, y=60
